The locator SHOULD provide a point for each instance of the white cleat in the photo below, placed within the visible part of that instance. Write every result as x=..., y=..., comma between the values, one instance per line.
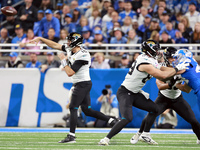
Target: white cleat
x=104, y=142
x=198, y=141
x=147, y=139
x=135, y=138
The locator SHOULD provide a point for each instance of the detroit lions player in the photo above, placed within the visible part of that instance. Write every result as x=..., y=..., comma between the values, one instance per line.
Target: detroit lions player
x=169, y=96
x=76, y=64
x=130, y=94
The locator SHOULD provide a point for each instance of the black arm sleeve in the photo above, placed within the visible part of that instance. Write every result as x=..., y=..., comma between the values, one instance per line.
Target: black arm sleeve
x=78, y=64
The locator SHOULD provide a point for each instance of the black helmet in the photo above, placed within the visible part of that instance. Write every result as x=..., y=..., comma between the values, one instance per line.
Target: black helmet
x=168, y=53
x=150, y=47
x=75, y=38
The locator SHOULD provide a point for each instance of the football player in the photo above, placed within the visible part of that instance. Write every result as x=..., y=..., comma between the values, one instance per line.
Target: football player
x=130, y=94
x=169, y=96
x=76, y=64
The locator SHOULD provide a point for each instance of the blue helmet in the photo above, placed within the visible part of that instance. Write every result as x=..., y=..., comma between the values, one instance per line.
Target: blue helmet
x=181, y=55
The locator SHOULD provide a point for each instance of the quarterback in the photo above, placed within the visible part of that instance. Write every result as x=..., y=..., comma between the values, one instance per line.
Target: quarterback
x=76, y=64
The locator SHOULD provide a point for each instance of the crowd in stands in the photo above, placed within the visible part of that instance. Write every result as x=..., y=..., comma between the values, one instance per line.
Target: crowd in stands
x=102, y=21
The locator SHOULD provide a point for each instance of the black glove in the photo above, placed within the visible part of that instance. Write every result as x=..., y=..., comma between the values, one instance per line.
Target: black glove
x=171, y=83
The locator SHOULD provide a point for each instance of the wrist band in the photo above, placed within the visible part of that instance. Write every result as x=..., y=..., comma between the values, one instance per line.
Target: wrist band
x=176, y=69
x=64, y=62
x=170, y=85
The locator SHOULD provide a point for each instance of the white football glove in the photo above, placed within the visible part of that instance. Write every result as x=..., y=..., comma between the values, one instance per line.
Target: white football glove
x=183, y=65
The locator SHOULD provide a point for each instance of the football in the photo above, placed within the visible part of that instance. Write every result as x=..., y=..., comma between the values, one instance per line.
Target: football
x=9, y=11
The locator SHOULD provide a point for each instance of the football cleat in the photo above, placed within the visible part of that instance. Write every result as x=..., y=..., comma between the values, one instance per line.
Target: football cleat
x=198, y=141
x=104, y=141
x=147, y=139
x=68, y=139
x=135, y=138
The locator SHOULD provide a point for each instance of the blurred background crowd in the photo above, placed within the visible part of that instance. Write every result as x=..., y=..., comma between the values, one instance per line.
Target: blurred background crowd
x=99, y=22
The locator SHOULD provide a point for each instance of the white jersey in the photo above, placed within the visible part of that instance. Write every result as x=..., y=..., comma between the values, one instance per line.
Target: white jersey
x=83, y=73
x=174, y=92
x=135, y=79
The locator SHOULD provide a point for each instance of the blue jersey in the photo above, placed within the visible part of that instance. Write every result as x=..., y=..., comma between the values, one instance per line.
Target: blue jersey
x=193, y=75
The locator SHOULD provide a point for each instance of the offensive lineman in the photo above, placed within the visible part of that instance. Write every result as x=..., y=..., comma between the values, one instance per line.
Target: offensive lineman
x=169, y=96
x=76, y=65
x=130, y=94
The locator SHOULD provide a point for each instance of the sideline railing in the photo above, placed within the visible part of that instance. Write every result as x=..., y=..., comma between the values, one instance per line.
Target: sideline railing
x=116, y=48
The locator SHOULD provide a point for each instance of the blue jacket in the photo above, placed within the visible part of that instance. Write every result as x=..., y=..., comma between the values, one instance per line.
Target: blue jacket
x=70, y=27
x=18, y=40
x=36, y=28
x=132, y=14
x=30, y=65
x=46, y=25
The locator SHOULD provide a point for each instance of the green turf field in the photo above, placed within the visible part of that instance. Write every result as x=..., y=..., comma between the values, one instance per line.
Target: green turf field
x=85, y=141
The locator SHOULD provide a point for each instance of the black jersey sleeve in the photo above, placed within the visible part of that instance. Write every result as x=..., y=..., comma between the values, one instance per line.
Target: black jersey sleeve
x=78, y=64
x=63, y=48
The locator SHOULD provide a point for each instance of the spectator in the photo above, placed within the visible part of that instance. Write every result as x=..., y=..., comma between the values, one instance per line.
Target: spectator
x=154, y=26
x=127, y=25
x=120, y=6
x=165, y=39
x=87, y=38
x=30, y=36
x=186, y=23
x=19, y=35
x=14, y=61
x=155, y=36
x=109, y=25
x=135, y=26
x=118, y=39
x=178, y=20
x=34, y=63
x=99, y=62
x=133, y=38
x=73, y=5
x=63, y=35
x=144, y=12
x=99, y=39
x=128, y=12
x=76, y=16
x=115, y=25
x=167, y=120
x=135, y=55
x=65, y=10
x=125, y=62
x=10, y=25
x=106, y=4
x=164, y=19
x=4, y=39
x=27, y=15
x=169, y=29
x=179, y=37
x=49, y=62
x=49, y=22
x=46, y=4
x=158, y=14
x=57, y=14
x=184, y=32
x=146, y=4
x=51, y=36
x=192, y=14
x=83, y=23
x=70, y=27
x=109, y=102
x=94, y=5
x=162, y=3
x=196, y=34
x=36, y=26
x=146, y=24
x=107, y=17
x=95, y=19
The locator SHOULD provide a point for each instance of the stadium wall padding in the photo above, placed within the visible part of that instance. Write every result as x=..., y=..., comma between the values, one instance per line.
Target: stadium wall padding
x=30, y=98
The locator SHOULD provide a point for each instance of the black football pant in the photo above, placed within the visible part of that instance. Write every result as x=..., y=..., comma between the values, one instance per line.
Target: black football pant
x=81, y=97
x=181, y=107
x=127, y=99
